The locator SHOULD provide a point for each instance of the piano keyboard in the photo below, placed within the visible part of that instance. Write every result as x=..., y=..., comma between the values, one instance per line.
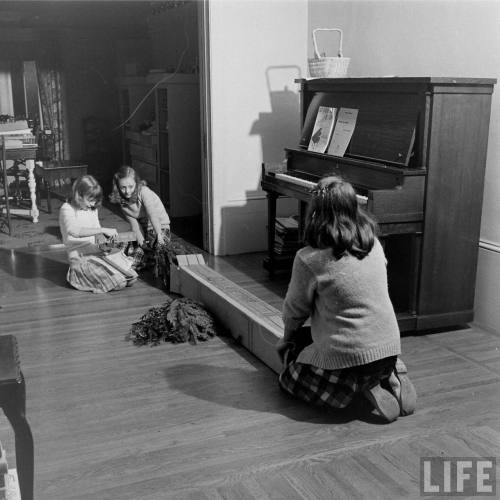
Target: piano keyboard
x=296, y=180
x=362, y=200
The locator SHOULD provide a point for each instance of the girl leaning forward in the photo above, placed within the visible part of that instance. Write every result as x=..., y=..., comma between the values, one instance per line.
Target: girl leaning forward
x=145, y=212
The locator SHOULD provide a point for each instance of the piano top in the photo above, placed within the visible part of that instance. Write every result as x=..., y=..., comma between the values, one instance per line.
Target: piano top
x=385, y=80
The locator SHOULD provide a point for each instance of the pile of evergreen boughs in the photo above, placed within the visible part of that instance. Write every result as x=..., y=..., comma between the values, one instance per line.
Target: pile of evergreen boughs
x=178, y=320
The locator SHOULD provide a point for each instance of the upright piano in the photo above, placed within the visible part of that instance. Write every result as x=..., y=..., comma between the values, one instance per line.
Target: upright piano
x=417, y=160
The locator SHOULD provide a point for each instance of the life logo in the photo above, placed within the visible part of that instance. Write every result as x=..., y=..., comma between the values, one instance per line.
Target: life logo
x=458, y=476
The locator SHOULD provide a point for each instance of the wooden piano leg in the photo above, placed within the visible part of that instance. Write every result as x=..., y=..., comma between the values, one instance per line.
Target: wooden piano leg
x=271, y=222
x=414, y=272
x=302, y=219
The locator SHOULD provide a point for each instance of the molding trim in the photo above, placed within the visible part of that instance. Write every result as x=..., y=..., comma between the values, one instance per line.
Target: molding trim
x=254, y=197
x=203, y=13
x=489, y=245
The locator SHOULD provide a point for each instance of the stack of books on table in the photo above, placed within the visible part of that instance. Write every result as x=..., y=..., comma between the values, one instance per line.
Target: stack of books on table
x=17, y=135
x=286, y=239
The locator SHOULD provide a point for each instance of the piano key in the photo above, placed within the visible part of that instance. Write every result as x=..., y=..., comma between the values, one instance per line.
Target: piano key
x=362, y=200
x=296, y=180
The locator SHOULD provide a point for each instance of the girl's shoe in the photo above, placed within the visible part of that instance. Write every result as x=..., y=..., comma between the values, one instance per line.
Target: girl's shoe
x=404, y=391
x=384, y=402
x=289, y=356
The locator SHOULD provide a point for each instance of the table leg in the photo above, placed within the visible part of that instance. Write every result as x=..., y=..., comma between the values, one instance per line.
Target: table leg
x=5, y=185
x=38, y=181
x=14, y=407
x=47, y=191
x=30, y=165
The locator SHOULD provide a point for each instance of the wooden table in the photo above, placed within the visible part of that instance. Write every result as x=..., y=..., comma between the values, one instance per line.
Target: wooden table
x=57, y=177
x=26, y=155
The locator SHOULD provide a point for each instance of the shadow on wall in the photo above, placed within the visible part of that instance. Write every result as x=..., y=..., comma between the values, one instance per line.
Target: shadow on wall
x=244, y=224
x=280, y=127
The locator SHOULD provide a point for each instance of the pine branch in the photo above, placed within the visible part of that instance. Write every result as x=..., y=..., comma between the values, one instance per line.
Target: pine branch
x=177, y=321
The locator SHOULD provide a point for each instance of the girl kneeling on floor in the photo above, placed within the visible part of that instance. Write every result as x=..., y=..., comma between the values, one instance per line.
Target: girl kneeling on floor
x=339, y=280
x=145, y=212
x=79, y=224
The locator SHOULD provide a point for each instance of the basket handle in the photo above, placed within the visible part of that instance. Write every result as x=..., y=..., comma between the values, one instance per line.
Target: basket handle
x=316, y=52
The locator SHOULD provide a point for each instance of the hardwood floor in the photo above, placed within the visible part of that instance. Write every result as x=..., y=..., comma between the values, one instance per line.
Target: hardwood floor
x=114, y=421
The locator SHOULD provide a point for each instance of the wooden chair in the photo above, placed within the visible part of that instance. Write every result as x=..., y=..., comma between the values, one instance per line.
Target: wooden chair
x=13, y=404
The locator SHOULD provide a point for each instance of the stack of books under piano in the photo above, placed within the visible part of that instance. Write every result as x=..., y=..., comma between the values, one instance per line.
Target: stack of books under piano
x=286, y=238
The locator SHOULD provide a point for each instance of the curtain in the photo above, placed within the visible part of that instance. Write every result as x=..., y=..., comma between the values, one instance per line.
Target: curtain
x=6, y=102
x=50, y=86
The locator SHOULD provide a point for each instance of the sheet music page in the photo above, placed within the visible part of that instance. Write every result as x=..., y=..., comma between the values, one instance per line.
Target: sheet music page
x=310, y=118
x=322, y=131
x=344, y=128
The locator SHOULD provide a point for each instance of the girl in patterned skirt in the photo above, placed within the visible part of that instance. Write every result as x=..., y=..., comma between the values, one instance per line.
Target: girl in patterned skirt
x=79, y=224
x=144, y=210
x=339, y=281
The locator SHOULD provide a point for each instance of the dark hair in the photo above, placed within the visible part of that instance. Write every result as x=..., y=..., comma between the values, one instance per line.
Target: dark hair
x=116, y=195
x=86, y=186
x=335, y=219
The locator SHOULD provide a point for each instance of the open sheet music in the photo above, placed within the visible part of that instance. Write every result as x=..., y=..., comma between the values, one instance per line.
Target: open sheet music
x=322, y=131
x=344, y=128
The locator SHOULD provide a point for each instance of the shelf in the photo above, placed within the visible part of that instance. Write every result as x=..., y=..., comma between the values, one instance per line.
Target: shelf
x=140, y=138
x=143, y=152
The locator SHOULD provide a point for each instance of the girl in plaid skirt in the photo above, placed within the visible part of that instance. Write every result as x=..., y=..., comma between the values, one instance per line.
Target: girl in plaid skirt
x=79, y=224
x=339, y=281
x=145, y=212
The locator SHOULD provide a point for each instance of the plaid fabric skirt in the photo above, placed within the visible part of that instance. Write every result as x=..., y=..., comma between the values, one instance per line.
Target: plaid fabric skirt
x=92, y=274
x=333, y=388
x=143, y=256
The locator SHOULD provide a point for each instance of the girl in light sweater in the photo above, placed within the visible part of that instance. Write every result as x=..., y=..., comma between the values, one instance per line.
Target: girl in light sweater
x=339, y=280
x=145, y=212
x=79, y=224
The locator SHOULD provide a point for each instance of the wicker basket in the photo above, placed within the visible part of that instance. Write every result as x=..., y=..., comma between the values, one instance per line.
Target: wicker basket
x=328, y=67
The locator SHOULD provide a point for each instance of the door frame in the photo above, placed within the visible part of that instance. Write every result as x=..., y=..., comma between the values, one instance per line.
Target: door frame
x=206, y=125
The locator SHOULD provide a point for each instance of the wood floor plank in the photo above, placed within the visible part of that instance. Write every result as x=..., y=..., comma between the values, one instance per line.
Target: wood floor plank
x=115, y=421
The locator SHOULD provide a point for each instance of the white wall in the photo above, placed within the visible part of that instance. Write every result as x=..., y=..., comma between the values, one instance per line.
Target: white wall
x=257, y=49
x=432, y=38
